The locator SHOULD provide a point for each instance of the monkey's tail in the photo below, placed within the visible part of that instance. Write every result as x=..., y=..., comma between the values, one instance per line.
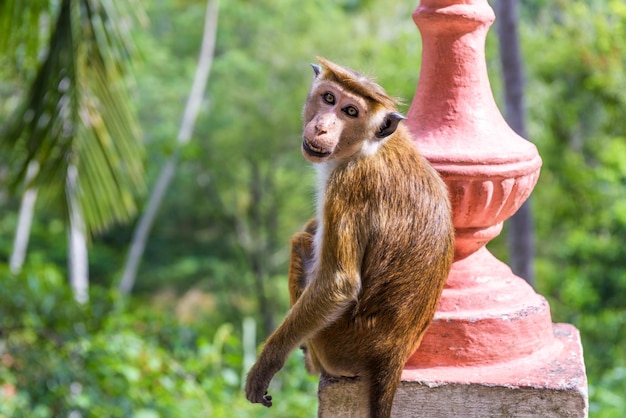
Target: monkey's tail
x=384, y=382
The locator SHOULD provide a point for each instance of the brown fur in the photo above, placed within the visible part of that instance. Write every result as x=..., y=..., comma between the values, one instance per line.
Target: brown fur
x=366, y=274
x=357, y=83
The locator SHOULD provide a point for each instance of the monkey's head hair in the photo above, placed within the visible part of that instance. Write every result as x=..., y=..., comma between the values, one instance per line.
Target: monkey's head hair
x=357, y=83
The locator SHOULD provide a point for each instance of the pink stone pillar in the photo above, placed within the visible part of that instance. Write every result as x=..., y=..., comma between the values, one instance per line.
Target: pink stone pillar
x=492, y=349
x=490, y=171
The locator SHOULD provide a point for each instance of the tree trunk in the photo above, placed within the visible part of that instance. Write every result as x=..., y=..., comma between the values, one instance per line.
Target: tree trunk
x=78, y=261
x=24, y=222
x=520, y=237
x=140, y=235
x=258, y=248
x=142, y=230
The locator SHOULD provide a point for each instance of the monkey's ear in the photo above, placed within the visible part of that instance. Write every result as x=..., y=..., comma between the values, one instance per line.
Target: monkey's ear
x=389, y=125
x=317, y=69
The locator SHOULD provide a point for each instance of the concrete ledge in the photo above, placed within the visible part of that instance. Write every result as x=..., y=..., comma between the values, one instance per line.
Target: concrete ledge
x=551, y=384
x=474, y=400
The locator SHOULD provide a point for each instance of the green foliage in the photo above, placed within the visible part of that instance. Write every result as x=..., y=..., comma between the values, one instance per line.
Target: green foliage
x=114, y=358
x=577, y=102
x=20, y=45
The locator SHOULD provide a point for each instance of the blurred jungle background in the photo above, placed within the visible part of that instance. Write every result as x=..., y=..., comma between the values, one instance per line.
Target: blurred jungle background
x=145, y=217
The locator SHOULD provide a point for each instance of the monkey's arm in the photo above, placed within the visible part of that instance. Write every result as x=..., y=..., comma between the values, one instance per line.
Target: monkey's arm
x=334, y=285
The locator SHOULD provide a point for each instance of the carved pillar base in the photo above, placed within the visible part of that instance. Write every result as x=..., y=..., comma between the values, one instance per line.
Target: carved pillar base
x=549, y=383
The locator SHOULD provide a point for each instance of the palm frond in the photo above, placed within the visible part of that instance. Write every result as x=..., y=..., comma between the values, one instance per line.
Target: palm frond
x=77, y=112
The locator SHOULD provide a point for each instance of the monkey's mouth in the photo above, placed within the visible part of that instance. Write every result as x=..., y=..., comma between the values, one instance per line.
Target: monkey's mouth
x=314, y=151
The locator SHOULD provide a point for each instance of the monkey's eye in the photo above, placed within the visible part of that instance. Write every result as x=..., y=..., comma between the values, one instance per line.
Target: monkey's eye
x=351, y=111
x=328, y=97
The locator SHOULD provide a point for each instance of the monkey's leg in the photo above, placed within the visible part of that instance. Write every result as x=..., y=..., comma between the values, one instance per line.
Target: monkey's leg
x=301, y=245
x=301, y=255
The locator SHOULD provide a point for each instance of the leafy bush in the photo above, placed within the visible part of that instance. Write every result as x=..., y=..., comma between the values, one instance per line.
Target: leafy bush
x=117, y=358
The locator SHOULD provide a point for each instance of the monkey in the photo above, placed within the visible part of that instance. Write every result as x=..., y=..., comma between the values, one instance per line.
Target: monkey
x=366, y=273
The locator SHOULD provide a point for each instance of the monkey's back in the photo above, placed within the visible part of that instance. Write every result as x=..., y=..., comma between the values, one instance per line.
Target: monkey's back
x=401, y=208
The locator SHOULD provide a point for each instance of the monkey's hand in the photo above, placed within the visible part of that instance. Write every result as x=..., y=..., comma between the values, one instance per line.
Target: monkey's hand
x=258, y=381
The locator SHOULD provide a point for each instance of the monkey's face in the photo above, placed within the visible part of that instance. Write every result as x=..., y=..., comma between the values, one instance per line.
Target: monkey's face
x=337, y=123
x=342, y=124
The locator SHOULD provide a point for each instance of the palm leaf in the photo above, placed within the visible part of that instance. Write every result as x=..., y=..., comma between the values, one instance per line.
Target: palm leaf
x=77, y=113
